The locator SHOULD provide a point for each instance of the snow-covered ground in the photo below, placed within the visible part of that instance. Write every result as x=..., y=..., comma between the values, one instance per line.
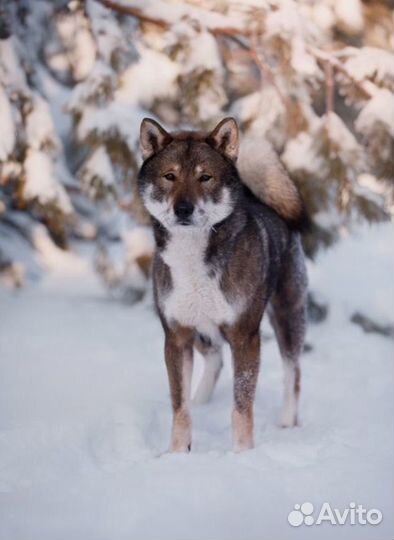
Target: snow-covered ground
x=85, y=418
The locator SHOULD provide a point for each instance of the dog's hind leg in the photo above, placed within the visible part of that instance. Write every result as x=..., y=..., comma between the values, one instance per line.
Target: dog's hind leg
x=212, y=353
x=287, y=312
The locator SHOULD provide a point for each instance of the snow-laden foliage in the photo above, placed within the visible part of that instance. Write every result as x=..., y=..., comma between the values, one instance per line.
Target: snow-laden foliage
x=7, y=133
x=315, y=79
x=31, y=152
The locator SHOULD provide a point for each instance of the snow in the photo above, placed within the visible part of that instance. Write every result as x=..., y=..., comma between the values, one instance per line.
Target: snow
x=11, y=73
x=98, y=166
x=86, y=415
x=349, y=16
x=7, y=129
x=139, y=83
x=138, y=87
x=14, y=247
x=200, y=61
x=302, y=62
x=263, y=113
x=345, y=143
x=97, y=84
x=117, y=118
x=108, y=113
x=107, y=32
x=39, y=125
x=80, y=45
x=52, y=257
x=122, y=270
x=284, y=21
x=41, y=183
x=378, y=111
x=376, y=190
x=287, y=23
x=57, y=96
x=302, y=154
x=138, y=242
x=203, y=52
x=372, y=63
x=173, y=12
x=322, y=15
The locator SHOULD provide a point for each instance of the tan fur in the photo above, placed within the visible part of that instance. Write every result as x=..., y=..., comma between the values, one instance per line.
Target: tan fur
x=242, y=430
x=179, y=360
x=181, y=431
x=261, y=170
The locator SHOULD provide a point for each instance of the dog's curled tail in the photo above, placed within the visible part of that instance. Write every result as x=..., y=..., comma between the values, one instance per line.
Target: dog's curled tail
x=262, y=172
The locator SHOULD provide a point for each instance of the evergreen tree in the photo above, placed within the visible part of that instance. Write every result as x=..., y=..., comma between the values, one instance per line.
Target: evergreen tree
x=314, y=79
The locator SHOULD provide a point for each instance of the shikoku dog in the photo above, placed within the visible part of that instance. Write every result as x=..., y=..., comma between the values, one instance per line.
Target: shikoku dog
x=228, y=246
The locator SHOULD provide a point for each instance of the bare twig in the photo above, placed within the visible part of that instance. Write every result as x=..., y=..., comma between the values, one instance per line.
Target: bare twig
x=163, y=23
x=329, y=73
x=134, y=12
x=266, y=70
x=366, y=87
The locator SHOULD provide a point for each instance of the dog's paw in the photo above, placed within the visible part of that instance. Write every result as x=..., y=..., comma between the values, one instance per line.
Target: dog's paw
x=242, y=446
x=288, y=419
x=181, y=435
x=177, y=447
x=242, y=431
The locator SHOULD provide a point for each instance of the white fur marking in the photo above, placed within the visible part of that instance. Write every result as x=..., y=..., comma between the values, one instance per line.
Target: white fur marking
x=187, y=372
x=213, y=364
x=288, y=415
x=196, y=299
x=162, y=211
x=206, y=213
x=181, y=431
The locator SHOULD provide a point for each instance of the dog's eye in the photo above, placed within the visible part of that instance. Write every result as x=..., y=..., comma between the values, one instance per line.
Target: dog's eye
x=205, y=177
x=170, y=176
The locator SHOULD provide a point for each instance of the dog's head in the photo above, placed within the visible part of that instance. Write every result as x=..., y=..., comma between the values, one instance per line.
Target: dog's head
x=189, y=178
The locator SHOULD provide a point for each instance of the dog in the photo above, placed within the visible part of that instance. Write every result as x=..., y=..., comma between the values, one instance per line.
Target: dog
x=228, y=247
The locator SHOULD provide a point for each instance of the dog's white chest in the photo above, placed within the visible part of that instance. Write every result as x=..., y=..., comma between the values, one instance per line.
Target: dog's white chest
x=196, y=299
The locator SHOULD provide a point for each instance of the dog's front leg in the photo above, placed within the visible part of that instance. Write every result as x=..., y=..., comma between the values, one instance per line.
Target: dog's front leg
x=179, y=362
x=245, y=347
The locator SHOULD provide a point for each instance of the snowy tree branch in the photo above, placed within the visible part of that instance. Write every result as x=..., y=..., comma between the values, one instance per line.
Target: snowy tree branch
x=328, y=69
x=266, y=69
x=219, y=26
x=367, y=87
x=201, y=16
x=134, y=12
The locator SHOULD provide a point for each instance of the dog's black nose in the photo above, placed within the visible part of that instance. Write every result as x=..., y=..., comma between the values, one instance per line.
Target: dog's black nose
x=183, y=209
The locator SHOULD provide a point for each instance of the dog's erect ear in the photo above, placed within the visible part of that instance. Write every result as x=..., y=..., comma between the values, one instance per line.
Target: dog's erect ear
x=152, y=137
x=224, y=138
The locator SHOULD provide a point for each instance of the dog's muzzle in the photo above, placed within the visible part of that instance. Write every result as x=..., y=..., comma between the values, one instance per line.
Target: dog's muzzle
x=183, y=210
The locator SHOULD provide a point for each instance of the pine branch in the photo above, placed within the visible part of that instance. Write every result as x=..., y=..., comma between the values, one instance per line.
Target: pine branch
x=144, y=16
x=328, y=70
x=134, y=12
x=235, y=33
x=266, y=70
x=329, y=75
x=368, y=88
